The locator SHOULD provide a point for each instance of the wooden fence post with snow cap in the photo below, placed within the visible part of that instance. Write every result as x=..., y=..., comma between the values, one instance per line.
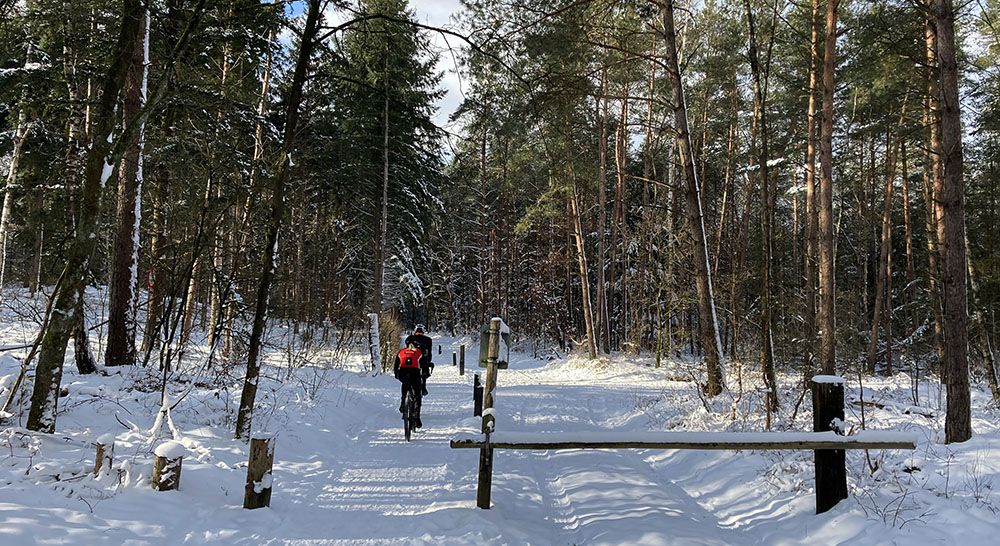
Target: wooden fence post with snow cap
x=461, y=360
x=477, y=396
x=105, y=446
x=167, y=466
x=483, y=490
x=831, y=464
x=259, y=481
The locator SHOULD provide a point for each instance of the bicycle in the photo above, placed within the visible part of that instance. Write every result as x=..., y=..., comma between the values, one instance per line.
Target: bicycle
x=409, y=412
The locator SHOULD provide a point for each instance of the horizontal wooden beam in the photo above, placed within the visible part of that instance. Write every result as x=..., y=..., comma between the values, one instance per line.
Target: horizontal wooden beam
x=691, y=440
x=468, y=444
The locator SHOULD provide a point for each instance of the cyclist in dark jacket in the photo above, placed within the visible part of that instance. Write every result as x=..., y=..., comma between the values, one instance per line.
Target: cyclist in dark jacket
x=425, y=345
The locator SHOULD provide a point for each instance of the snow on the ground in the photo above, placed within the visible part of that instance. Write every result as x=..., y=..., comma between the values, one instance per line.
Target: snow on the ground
x=344, y=475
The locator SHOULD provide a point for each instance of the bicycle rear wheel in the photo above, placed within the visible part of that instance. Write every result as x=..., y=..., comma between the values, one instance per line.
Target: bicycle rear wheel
x=408, y=415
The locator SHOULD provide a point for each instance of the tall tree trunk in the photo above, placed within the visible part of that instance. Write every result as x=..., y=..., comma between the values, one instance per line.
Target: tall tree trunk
x=884, y=271
x=602, y=321
x=958, y=424
x=739, y=261
x=219, y=287
x=618, y=226
x=911, y=275
x=76, y=134
x=155, y=275
x=760, y=91
x=482, y=262
x=268, y=263
x=581, y=260
x=383, y=230
x=812, y=219
x=726, y=193
x=826, y=319
x=933, y=184
x=123, y=273
x=35, y=273
x=192, y=288
x=82, y=355
x=708, y=325
x=645, y=255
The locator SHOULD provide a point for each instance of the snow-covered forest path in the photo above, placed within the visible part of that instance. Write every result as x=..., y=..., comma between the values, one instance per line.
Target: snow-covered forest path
x=372, y=487
x=344, y=475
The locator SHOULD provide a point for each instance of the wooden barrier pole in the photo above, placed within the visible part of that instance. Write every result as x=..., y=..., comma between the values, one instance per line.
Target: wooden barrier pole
x=167, y=466
x=461, y=360
x=454, y=358
x=689, y=440
x=831, y=464
x=477, y=396
x=485, y=485
x=258, y=489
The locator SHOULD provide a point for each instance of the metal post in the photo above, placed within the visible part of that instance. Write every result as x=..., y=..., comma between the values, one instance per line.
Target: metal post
x=477, y=396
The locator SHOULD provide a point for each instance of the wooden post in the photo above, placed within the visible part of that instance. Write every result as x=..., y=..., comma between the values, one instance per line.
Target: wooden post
x=461, y=360
x=439, y=349
x=831, y=464
x=258, y=489
x=477, y=396
x=104, y=457
x=454, y=358
x=483, y=490
x=492, y=354
x=167, y=466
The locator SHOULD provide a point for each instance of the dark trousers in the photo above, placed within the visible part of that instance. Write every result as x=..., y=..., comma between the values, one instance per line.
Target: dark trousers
x=410, y=379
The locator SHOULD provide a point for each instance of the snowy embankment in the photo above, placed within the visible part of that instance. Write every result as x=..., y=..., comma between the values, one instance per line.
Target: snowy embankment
x=344, y=475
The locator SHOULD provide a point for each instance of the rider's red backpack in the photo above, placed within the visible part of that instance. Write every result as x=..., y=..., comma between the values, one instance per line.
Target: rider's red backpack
x=409, y=358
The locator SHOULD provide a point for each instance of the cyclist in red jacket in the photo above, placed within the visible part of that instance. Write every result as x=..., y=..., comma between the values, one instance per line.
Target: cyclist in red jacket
x=407, y=369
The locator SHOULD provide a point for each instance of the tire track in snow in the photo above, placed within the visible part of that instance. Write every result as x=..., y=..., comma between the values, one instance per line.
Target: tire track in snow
x=590, y=496
x=376, y=488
